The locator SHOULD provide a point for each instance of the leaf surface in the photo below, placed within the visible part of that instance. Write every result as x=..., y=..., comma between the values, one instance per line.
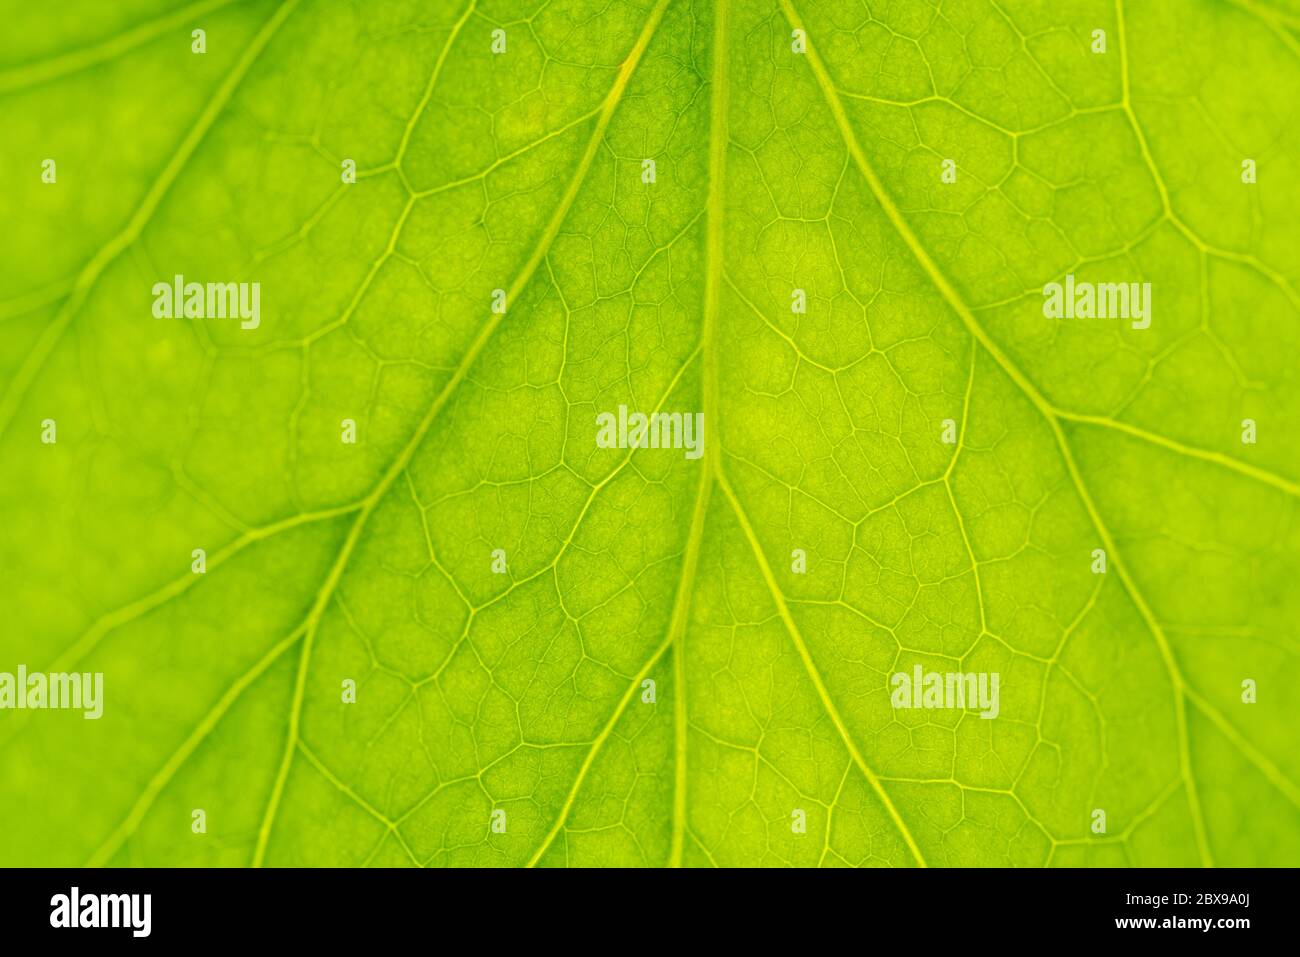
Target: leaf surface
x=651, y=680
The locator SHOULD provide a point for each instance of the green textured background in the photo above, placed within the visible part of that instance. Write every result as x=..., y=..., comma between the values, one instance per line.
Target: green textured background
x=522, y=692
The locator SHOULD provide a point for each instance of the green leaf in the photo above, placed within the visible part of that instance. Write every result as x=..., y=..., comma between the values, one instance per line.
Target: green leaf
x=570, y=654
